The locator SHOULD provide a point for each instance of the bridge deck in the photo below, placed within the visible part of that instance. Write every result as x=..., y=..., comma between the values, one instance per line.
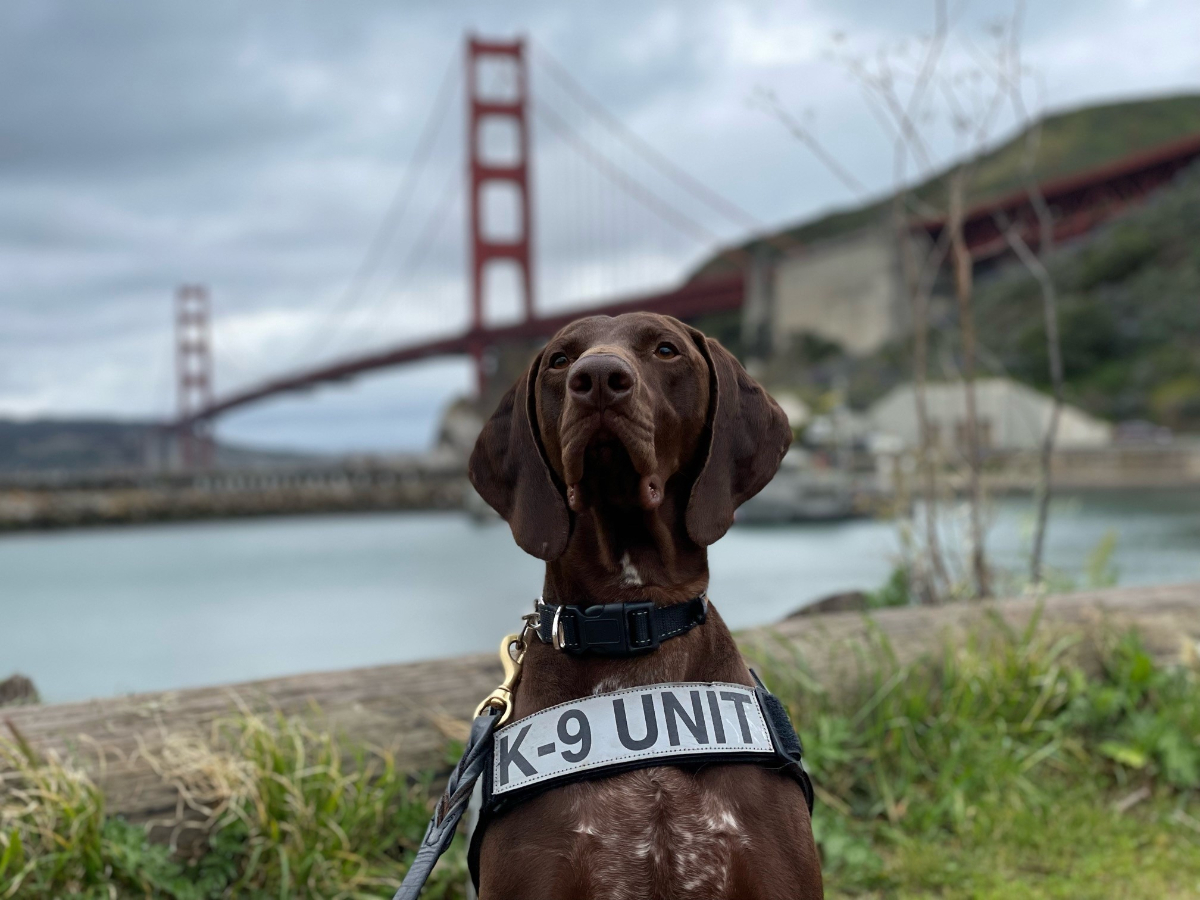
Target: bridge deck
x=710, y=295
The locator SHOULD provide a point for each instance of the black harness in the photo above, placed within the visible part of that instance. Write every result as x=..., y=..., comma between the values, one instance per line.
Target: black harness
x=702, y=724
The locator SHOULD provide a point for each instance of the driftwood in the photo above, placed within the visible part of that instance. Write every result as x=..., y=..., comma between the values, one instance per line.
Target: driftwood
x=413, y=708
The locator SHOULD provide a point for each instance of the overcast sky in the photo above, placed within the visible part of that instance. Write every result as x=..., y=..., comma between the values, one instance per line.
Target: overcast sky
x=256, y=146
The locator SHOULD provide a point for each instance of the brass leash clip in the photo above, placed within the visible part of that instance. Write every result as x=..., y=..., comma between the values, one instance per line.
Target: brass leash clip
x=501, y=698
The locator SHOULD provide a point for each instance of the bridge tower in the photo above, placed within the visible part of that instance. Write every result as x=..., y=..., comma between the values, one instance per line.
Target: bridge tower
x=194, y=371
x=499, y=102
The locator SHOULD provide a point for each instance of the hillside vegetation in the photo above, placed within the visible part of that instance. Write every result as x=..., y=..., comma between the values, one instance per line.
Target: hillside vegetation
x=1129, y=291
x=77, y=445
x=1129, y=314
x=1071, y=142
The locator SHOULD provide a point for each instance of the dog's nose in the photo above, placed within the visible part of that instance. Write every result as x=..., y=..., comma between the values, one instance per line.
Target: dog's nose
x=600, y=381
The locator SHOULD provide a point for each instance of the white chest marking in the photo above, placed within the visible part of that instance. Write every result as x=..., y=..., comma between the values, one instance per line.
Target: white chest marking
x=629, y=574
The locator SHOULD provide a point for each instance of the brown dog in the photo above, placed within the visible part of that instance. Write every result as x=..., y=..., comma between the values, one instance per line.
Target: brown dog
x=618, y=458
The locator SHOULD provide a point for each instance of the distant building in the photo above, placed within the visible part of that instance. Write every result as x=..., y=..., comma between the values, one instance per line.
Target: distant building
x=1011, y=417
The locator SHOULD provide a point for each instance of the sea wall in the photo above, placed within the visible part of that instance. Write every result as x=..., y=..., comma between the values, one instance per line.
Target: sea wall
x=130, y=498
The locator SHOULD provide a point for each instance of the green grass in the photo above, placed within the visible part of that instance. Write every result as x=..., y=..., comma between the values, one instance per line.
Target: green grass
x=997, y=765
x=1074, y=847
x=994, y=769
x=293, y=813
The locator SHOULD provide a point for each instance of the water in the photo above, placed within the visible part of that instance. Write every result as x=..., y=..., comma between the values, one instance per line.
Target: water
x=97, y=612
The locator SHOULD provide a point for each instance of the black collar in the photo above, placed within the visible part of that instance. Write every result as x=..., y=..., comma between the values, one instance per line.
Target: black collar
x=617, y=629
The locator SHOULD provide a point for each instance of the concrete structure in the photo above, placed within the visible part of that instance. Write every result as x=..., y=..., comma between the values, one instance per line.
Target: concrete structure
x=845, y=290
x=1011, y=417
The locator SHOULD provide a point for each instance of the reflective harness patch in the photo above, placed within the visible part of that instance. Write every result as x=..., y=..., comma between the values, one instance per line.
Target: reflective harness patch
x=638, y=725
x=681, y=724
x=688, y=724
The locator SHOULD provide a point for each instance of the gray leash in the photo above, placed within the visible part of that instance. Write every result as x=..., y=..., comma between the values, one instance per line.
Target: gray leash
x=453, y=803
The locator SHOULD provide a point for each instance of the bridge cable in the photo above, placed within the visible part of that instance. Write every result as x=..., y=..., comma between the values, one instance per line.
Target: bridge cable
x=622, y=179
x=693, y=186
x=394, y=216
x=448, y=199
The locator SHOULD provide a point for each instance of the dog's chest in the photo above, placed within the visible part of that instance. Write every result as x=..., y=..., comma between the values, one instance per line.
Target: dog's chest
x=654, y=832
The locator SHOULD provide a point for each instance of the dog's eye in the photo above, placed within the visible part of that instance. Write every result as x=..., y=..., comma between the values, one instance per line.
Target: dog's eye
x=665, y=351
x=559, y=361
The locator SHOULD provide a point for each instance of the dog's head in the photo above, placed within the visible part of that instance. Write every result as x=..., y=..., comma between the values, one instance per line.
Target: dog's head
x=621, y=413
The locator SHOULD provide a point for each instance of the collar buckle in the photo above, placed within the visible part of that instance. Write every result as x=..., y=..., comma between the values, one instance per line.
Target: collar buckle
x=615, y=629
x=609, y=629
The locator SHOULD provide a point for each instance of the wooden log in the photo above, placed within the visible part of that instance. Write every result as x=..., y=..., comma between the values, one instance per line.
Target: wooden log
x=1166, y=617
x=406, y=708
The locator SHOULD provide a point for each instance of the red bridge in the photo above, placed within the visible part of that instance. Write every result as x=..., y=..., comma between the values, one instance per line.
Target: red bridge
x=1079, y=203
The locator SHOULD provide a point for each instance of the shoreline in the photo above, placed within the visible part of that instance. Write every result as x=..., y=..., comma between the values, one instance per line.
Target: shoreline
x=26, y=511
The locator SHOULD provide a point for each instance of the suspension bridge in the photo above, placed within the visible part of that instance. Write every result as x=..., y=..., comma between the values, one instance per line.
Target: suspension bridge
x=609, y=175
x=619, y=190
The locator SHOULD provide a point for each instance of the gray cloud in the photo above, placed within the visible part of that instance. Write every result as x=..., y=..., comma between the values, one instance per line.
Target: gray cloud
x=255, y=147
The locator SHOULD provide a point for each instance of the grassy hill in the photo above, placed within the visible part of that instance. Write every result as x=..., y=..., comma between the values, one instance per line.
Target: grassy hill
x=75, y=445
x=1129, y=311
x=1129, y=314
x=71, y=445
x=1129, y=292
x=1071, y=142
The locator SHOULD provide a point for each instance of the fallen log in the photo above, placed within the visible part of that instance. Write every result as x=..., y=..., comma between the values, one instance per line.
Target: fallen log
x=412, y=708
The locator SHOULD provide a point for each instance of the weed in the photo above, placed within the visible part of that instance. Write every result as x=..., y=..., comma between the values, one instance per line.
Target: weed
x=988, y=732
x=895, y=591
x=290, y=813
x=981, y=771
x=56, y=841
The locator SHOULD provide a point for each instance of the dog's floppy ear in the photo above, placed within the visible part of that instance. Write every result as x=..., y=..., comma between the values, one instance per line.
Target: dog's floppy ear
x=509, y=471
x=748, y=435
